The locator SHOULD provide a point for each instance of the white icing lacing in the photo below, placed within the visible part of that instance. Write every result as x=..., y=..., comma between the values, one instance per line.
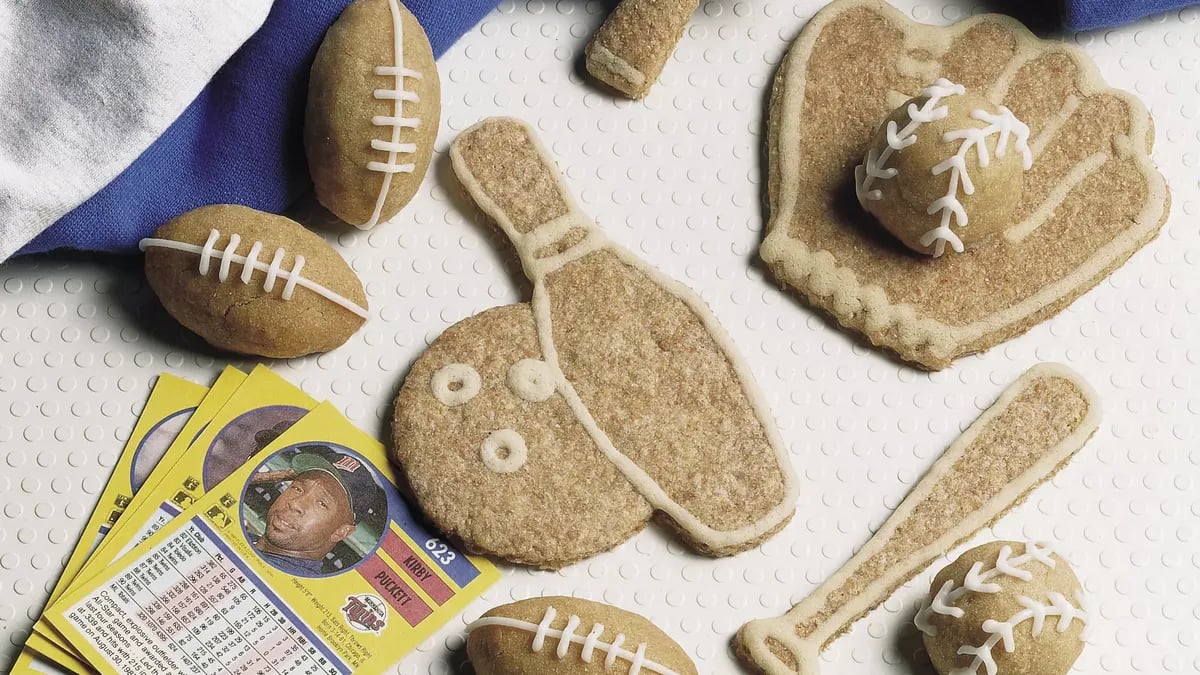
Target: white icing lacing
x=250, y=263
x=897, y=139
x=1004, y=123
x=977, y=581
x=396, y=120
x=1002, y=631
x=638, y=662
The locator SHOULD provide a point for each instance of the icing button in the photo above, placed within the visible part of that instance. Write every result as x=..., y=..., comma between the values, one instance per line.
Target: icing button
x=504, y=451
x=455, y=384
x=531, y=379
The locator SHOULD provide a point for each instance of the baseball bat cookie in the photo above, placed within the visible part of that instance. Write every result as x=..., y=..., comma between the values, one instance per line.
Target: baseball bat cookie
x=940, y=190
x=547, y=432
x=629, y=51
x=374, y=103
x=1034, y=428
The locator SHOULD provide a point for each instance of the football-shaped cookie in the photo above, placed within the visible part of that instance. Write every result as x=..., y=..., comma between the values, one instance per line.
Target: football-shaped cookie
x=253, y=282
x=569, y=636
x=374, y=104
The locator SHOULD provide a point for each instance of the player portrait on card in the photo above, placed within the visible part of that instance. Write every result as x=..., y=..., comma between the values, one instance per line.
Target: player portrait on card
x=313, y=510
x=305, y=559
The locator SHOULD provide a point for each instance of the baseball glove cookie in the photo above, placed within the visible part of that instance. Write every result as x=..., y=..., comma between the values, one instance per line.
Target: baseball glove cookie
x=1022, y=130
x=569, y=636
x=1034, y=429
x=253, y=282
x=374, y=103
x=544, y=433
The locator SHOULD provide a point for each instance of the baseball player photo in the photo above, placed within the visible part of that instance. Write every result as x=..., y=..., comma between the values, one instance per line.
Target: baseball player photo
x=313, y=511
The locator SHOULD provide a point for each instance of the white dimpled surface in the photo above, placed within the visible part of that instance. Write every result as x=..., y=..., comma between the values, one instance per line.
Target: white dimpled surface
x=678, y=179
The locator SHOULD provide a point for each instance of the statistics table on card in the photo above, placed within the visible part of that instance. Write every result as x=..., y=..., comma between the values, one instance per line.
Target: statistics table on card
x=199, y=612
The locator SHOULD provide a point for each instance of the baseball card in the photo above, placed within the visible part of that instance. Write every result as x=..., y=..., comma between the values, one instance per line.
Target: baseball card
x=171, y=403
x=305, y=559
x=261, y=408
x=227, y=383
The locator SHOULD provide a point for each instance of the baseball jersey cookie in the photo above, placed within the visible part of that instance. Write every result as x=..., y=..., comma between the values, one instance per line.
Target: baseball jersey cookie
x=549, y=431
x=254, y=283
x=1089, y=199
x=569, y=636
x=374, y=104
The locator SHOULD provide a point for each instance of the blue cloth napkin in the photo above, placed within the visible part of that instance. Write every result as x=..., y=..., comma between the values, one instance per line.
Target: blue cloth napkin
x=240, y=140
x=1092, y=14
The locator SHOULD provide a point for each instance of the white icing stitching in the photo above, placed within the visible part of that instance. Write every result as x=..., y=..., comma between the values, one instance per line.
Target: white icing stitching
x=637, y=658
x=206, y=252
x=564, y=640
x=1000, y=632
x=1004, y=123
x=589, y=643
x=396, y=120
x=976, y=580
x=898, y=139
x=250, y=263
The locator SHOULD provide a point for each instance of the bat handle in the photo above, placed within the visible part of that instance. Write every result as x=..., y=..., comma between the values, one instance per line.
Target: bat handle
x=629, y=51
x=1035, y=426
x=505, y=170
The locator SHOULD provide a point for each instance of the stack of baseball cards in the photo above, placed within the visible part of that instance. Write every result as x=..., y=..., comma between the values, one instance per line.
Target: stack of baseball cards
x=247, y=528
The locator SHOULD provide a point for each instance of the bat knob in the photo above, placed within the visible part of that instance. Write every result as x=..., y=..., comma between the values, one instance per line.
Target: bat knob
x=760, y=645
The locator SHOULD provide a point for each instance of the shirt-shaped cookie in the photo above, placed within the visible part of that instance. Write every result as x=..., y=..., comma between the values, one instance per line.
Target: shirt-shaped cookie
x=544, y=433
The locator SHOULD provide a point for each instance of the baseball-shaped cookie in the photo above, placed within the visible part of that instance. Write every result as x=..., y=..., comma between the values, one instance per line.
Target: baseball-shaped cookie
x=569, y=636
x=374, y=103
x=1004, y=608
x=942, y=161
x=253, y=282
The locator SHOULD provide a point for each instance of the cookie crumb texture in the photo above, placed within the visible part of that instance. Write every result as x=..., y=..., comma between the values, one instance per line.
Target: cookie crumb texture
x=254, y=283
x=649, y=409
x=1006, y=608
x=678, y=179
x=1091, y=198
x=571, y=636
x=635, y=43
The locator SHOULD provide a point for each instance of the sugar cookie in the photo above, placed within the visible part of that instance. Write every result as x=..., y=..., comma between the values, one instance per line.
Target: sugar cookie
x=944, y=160
x=1004, y=608
x=374, y=104
x=253, y=282
x=616, y=392
x=1090, y=199
x=570, y=636
x=1034, y=429
x=629, y=51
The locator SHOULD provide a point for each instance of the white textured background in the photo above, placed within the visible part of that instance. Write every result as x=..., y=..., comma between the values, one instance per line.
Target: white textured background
x=677, y=178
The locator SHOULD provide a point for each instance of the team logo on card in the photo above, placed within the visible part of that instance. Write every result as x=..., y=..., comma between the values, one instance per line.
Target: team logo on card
x=365, y=613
